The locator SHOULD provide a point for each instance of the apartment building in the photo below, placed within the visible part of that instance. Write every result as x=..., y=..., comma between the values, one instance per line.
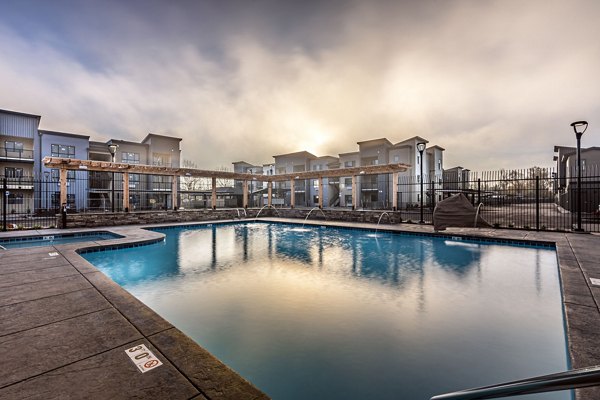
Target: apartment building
x=18, y=135
x=375, y=191
x=565, y=177
x=33, y=187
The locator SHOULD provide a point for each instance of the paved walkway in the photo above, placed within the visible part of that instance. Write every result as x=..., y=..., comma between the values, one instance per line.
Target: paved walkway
x=64, y=326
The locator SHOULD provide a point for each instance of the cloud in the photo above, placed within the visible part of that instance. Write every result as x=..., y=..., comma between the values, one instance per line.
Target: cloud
x=495, y=83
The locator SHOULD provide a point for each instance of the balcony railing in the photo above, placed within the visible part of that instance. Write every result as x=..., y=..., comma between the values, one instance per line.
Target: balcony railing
x=23, y=182
x=16, y=154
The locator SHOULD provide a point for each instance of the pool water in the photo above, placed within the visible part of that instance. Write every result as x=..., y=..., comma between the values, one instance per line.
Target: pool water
x=50, y=240
x=328, y=313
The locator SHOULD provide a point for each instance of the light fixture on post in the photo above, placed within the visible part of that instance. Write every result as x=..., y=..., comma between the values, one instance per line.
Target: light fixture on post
x=112, y=148
x=421, y=149
x=579, y=127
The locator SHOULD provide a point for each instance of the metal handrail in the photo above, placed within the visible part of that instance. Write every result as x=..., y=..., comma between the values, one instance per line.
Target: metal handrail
x=577, y=378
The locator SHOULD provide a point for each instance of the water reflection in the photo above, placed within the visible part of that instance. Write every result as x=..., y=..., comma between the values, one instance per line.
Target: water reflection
x=358, y=317
x=388, y=258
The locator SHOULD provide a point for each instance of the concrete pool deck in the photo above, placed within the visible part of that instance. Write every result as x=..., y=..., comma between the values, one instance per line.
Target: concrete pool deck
x=65, y=326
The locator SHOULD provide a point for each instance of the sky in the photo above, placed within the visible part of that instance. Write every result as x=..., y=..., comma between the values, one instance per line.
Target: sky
x=495, y=83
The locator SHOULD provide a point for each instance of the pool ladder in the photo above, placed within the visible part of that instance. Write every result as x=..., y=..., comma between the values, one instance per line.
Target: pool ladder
x=577, y=378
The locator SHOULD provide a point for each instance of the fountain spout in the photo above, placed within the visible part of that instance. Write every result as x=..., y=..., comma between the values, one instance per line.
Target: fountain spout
x=311, y=210
x=380, y=217
x=267, y=206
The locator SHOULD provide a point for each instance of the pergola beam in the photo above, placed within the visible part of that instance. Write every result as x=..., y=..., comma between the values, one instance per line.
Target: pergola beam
x=91, y=165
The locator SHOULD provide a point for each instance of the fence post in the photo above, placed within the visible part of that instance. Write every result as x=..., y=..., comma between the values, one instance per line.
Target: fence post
x=537, y=203
x=4, y=204
x=432, y=196
x=478, y=191
x=63, y=212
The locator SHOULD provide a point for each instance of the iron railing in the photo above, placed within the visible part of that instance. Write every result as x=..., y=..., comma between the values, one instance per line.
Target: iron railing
x=574, y=379
x=533, y=199
x=10, y=153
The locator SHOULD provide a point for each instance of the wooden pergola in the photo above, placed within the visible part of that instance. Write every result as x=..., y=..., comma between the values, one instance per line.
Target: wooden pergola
x=66, y=164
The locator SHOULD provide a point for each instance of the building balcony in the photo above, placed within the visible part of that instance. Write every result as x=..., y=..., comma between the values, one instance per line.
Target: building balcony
x=10, y=154
x=22, y=183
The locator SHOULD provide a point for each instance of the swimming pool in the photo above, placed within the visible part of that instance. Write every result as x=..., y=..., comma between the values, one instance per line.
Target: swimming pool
x=50, y=240
x=331, y=313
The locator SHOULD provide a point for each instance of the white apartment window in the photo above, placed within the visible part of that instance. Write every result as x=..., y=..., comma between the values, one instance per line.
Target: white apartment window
x=13, y=146
x=64, y=151
x=130, y=158
x=55, y=174
x=418, y=159
x=440, y=165
x=396, y=159
x=11, y=172
x=349, y=164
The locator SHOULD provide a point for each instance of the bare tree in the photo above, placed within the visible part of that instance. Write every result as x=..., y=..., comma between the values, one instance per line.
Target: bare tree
x=190, y=183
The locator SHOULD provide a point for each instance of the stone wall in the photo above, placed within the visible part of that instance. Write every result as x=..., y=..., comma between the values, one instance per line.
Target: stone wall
x=156, y=217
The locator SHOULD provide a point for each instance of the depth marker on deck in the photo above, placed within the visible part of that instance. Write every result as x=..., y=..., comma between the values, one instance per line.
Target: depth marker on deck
x=143, y=358
x=595, y=281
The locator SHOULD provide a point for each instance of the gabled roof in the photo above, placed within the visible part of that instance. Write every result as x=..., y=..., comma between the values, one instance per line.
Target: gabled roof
x=67, y=134
x=375, y=141
x=243, y=162
x=417, y=138
x=20, y=113
x=148, y=136
x=298, y=153
x=435, y=146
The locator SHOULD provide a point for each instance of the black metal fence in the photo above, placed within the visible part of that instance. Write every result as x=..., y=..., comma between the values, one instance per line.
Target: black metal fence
x=535, y=198
x=22, y=205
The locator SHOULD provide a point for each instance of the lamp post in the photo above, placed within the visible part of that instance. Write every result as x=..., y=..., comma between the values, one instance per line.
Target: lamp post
x=112, y=148
x=579, y=127
x=421, y=148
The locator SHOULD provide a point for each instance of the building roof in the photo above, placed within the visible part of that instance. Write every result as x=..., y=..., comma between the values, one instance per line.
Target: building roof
x=375, y=141
x=352, y=153
x=417, y=138
x=244, y=163
x=435, y=146
x=20, y=113
x=148, y=136
x=298, y=153
x=67, y=134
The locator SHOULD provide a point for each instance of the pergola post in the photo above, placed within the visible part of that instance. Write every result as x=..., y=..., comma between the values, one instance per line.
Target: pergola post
x=245, y=195
x=270, y=193
x=126, y=191
x=174, y=192
x=213, y=199
x=320, y=192
x=292, y=193
x=395, y=191
x=354, y=192
x=63, y=186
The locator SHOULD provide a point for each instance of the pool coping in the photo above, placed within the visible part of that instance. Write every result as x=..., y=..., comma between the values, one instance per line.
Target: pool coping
x=204, y=377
